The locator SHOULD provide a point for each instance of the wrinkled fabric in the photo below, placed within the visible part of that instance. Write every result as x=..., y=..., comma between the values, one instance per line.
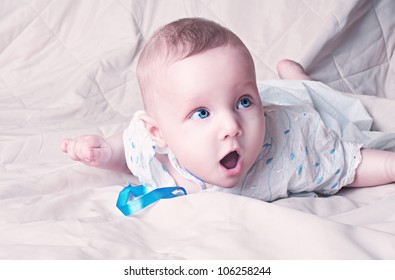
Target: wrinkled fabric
x=67, y=68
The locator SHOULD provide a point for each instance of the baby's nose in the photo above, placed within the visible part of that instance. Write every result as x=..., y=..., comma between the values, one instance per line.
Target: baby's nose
x=230, y=127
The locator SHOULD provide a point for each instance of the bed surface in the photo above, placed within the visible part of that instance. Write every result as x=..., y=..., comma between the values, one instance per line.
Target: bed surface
x=67, y=68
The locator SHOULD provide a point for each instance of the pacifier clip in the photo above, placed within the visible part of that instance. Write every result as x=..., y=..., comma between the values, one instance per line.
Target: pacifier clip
x=135, y=198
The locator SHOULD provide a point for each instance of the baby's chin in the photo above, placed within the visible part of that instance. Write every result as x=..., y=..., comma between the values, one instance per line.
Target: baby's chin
x=227, y=185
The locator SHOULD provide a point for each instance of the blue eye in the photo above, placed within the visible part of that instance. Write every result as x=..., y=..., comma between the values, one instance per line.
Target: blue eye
x=200, y=114
x=244, y=102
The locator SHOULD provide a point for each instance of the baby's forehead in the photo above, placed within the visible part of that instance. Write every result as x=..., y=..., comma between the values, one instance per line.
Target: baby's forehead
x=160, y=73
x=170, y=59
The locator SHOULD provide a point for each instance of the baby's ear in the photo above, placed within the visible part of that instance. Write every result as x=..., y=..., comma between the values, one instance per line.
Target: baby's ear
x=152, y=127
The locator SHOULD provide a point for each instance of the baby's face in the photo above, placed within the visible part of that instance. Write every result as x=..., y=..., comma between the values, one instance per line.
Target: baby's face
x=211, y=115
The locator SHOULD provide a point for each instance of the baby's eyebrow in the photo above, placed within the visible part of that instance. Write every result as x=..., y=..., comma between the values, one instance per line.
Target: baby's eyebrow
x=251, y=83
x=191, y=104
x=195, y=98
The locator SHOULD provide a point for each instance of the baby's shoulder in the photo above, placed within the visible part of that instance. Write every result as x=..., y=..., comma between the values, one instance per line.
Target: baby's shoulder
x=290, y=113
x=296, y=121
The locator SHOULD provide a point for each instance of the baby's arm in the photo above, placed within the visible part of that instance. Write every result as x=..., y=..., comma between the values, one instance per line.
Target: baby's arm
x=376, y=168
x=96, y=151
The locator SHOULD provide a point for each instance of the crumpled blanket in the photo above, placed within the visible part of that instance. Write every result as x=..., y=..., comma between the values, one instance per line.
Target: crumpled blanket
x=67, y=68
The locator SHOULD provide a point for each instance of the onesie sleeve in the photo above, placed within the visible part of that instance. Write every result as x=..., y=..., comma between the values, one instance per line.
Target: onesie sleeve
x=315, y=157
x=345, y=174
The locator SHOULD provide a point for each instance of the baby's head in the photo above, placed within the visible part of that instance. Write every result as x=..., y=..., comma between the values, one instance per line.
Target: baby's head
x=198, y=85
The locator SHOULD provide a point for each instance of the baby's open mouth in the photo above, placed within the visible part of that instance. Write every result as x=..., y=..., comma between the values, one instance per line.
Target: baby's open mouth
x=230, y=160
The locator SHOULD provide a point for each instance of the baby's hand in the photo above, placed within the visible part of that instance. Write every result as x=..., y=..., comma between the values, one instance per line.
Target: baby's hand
x=92, y=150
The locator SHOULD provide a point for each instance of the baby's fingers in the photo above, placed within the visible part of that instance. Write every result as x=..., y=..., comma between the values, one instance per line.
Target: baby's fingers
x=89, y=149
x=64, y=144
x=97, y=156
x=90, y=141
x=81, y=147
x=68, y=146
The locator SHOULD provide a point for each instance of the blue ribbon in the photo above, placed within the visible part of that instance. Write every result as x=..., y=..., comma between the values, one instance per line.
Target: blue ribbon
x=135, y=198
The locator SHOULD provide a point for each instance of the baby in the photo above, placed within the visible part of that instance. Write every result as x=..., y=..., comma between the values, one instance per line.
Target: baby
x=205, y=127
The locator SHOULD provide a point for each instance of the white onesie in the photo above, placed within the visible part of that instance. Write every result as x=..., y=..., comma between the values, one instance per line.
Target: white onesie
x=300, y=154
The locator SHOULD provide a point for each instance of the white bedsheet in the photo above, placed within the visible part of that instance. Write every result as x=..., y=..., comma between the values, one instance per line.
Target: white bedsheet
x=67, y=68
